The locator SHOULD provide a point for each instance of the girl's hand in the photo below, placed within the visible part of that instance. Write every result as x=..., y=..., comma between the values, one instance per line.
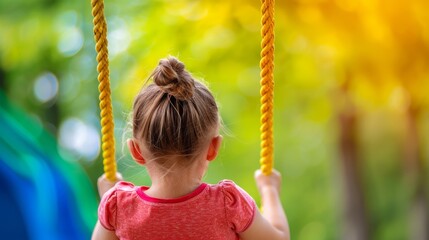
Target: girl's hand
x=272, y=181
x=105, y=184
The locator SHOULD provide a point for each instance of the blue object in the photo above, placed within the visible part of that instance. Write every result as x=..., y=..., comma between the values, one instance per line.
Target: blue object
x=42, y=194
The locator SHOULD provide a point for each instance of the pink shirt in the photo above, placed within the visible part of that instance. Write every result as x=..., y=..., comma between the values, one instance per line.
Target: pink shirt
x=218, y=211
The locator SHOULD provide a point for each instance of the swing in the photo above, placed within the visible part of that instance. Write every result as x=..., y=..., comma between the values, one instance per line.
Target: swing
x=267, y=88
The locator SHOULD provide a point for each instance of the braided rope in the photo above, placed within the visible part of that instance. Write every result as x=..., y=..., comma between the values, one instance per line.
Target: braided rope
x=107, y=127
x=267, y=86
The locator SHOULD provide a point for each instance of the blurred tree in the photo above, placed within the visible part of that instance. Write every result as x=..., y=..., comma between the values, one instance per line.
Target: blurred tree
x=355, y=223
x=416, y=172
x=410, y=64
x=382, y=46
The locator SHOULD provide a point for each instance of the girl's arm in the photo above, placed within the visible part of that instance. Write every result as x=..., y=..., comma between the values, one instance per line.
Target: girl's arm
x=101, y=233
x=272, y=223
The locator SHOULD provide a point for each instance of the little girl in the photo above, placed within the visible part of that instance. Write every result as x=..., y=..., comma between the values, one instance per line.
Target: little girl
x=175, y=136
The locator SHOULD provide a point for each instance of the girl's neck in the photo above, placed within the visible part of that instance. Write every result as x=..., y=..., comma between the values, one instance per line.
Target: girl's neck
x=176, y=183
x=172, y=189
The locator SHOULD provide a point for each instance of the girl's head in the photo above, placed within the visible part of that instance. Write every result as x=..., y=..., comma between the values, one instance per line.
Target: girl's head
x=175, y=115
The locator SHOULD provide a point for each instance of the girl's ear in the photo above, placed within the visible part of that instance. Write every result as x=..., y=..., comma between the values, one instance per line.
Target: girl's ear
x=135, y=151
x=214, y=147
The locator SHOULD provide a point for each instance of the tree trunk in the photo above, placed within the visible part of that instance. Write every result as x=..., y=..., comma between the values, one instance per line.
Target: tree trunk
x=355, y=224
x=419, y=214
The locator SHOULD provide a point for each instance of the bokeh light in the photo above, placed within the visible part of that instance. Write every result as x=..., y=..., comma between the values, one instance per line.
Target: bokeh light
x=46, y=87
x=80, y=138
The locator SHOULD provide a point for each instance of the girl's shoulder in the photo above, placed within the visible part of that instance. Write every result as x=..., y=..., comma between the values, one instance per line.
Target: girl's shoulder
x=232, y=192
x=111, y=201
x=120, y=190
x=238, y=205
x=124, y=186
x=227, y=185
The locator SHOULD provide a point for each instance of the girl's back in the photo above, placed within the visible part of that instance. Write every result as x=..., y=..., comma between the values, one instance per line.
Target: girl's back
x=218, y=211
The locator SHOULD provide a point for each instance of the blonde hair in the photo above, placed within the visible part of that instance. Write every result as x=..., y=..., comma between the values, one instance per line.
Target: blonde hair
x=174, y=115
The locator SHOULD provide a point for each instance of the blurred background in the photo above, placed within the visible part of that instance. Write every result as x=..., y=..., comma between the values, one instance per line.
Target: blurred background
x=351, y=108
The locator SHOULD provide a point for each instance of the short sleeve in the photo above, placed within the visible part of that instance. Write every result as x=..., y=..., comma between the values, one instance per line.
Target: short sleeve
x=107, y=209
x=239, y=206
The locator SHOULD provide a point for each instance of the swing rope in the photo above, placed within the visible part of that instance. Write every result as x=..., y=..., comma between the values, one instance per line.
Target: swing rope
x=106, y=114
x=267, y=86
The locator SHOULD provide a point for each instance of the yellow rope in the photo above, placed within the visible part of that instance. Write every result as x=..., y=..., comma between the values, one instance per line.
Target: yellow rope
x=267, y=86
x=107, y=127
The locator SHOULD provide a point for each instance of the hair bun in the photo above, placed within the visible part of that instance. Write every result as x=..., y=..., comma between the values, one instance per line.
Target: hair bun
x=172, y=78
